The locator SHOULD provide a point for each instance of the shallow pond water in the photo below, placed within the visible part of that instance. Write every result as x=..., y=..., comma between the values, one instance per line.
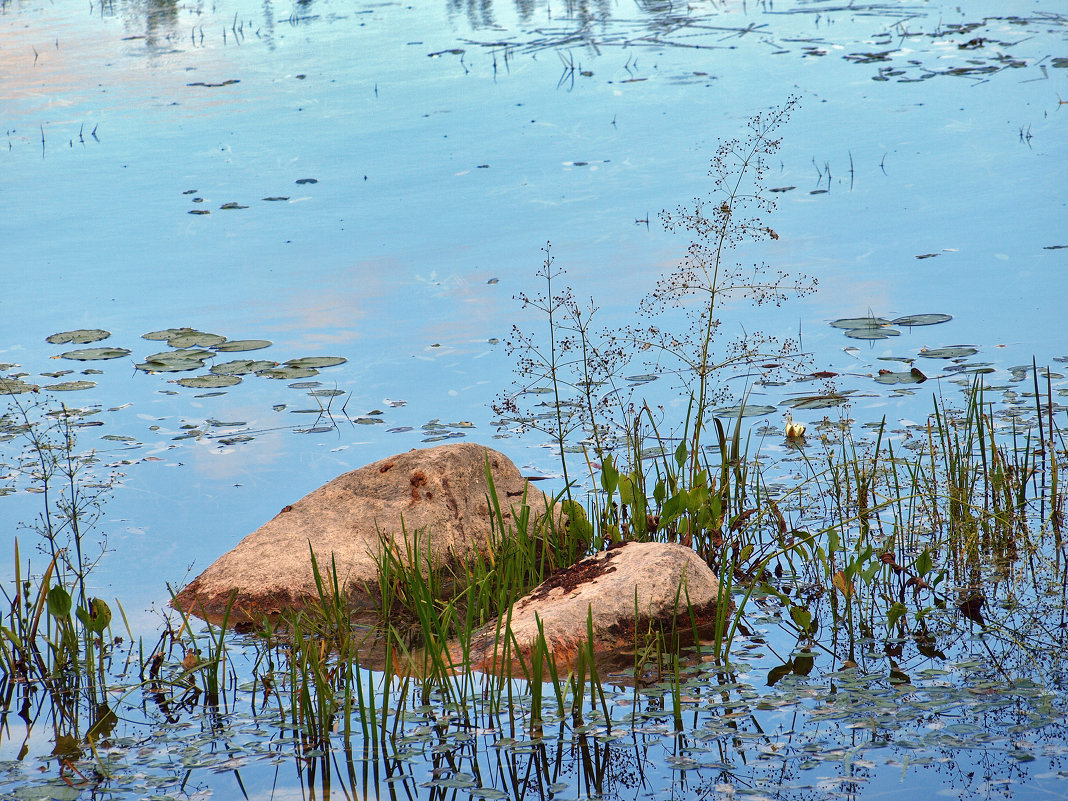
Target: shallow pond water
x=379, y=179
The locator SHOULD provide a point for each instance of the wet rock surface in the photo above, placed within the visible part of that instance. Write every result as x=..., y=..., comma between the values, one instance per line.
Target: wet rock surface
x=627, y=590
x=441, y=493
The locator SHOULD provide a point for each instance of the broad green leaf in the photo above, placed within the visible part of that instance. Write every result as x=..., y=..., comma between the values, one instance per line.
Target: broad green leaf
x=59, y=602
x=79, y=337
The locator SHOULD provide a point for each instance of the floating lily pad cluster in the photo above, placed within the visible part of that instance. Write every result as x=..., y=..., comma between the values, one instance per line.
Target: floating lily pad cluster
x=191, y=350
x=880, y=328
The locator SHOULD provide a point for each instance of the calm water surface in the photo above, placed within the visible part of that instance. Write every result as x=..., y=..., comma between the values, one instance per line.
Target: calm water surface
x=448, y=142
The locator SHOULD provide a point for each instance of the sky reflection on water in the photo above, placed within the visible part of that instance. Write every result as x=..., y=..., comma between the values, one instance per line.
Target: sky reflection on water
x=449, y=142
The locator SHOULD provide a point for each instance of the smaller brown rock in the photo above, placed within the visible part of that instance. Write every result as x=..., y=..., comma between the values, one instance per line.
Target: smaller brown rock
x=622, y=590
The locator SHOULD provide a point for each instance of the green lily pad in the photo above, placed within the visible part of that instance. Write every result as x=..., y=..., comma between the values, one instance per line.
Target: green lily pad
x=209, y=381
x=853, y=323
x=316, y=362
x=15, y=386
x=242, y=367
x=326, y=393
x=914, y=376
x=193, y=339
x=69, y=386
x=288, y=372
x=79, y=337
x=175, y=361
x=922, y=319
x=951, y=352
x=167, y=333
x=242, y=344
x=183, y=355
x=177, y=366
x=817, y=401
x=872, y=333
x=93, y=354
x=749, y=410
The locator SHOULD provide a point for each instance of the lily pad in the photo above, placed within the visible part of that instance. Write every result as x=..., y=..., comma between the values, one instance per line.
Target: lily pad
x=817, y=401
x=79, y=337
x=288, y=372
x=853, y=323
x=749, y=410
x=94, y=354
x=167, y=333
x=209, y=381
x=193, y=339
x=872, y=333
x=242, y=367
x=316, y=362
x=241, y=345
x=176, y=366
x=175, y=361
x=922, y=319
x=69, y=386
x=951, y=352
x=914, y=376
x=183, y=355
x=15, y=386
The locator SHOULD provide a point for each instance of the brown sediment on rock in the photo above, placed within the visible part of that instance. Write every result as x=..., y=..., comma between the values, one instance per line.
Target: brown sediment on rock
x=620, y=594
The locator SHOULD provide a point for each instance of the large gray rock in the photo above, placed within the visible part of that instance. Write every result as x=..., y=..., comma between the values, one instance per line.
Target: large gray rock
x=440, y=492
x=625, y=589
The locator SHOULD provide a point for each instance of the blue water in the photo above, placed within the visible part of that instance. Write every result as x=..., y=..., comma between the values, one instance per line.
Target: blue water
x=440, y=175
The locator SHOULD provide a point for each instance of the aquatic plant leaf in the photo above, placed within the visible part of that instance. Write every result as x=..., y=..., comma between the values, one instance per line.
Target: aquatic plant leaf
x=818, y=401
x=79, y=337
x=48, y=792
x=242, y=367
x=69, y=386
x=94, y=354
x=97, y=617
x=802, y=617
x=177, y=366
x=842, y=584
x=59, y=602
x=241, y=345
x=641, y=379
x=913, y=376
x=288, y=372
x=167, y=333
x=191, y=339
x=15, y=386
x=872, y=333
x=894, y=613
x=855, y=323
x=951, y=352
x=749, y=410
x=209, y=381
x=316, y=361
x=922, y=319
x=185, y=354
